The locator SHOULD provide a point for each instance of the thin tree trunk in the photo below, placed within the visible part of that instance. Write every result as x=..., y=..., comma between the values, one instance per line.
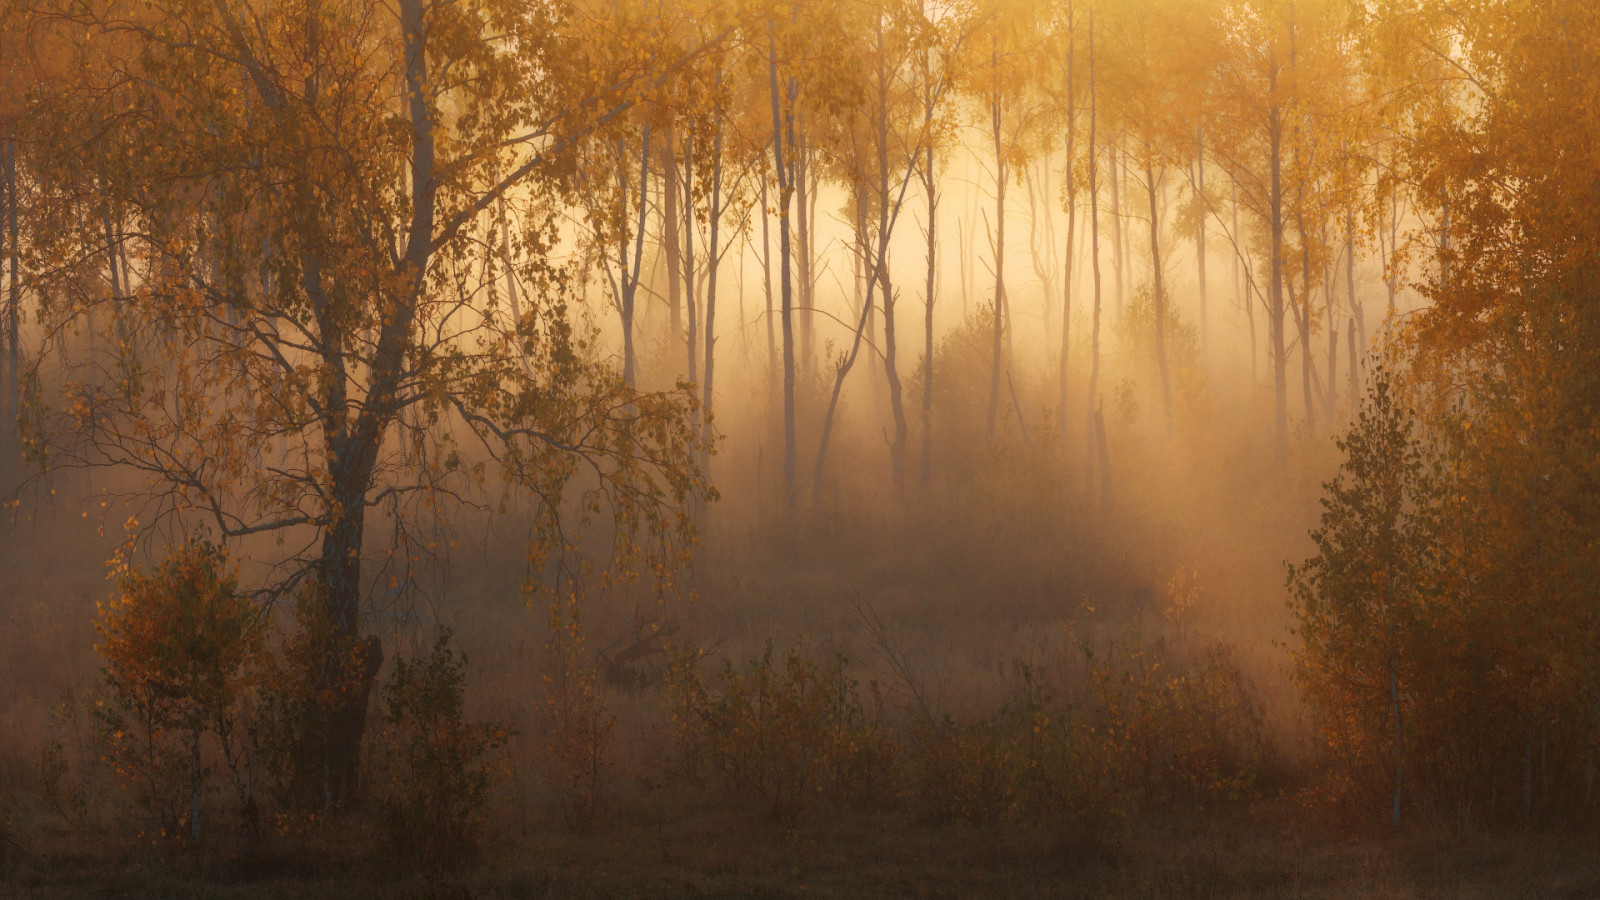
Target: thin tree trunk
x=1090, y=445
x=997, y=350
x=877, y=275
x=1200, y=241
x=693, y=316
x=1355, y=370
x=630, y=280
x=1399, y=734
x=1072, y=224
x=1306, y=362
x=766, y=289
x=803, y=189
x=1244, y=295
x=13, y=391
x=930, y=186
x=1160, y=298
x=897, y=446
x=673, y=243
x=1105, y=463
x=1115, y=178
x=713, y=258
x=1394, y=240
x=1280, y=383
x=513, y=293
x=1357, y=315
x=1330, y=397
x=785, y=191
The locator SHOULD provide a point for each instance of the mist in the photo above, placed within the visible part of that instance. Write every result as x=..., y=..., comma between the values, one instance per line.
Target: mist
x=1003, y=449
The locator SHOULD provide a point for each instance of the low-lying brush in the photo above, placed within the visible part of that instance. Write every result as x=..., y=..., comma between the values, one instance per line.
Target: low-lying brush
x=783, y=733
x=1129, y=728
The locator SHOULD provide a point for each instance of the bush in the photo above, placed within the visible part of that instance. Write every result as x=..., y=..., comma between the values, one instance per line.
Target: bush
x=440, y=769
x=1145, y=729
x=578, y=730
x=181, y=646
x=1174, y=731
x=1024, y=761
x=784, y=733
x=302, y=703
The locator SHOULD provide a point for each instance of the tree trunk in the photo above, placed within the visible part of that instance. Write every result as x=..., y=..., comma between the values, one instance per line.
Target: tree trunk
x=803, y=198
x=12, y=448
x=1280, y=383
x=842, y=368
x=1244, y=295
x=766, y=290
x=785, y=192
x=513, y=293
x=1090, y=445
x=1330, y=396
x=1389, y=277
x=930, y=186
x=1304, y=319
x=341, y=727
x=688, y=259
x=1355, y=370
x=672, y=243
x=1357, y=314
x=1115, y=178
x=630, y=279
x=1105, y=463
x=1160, y=298
x=713, y=257
x=1072, y=224
x=897, y=446
x=1200, y=241
x=997, y=350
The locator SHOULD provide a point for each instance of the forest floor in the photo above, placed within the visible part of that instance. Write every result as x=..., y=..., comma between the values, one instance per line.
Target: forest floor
x=1266, y=850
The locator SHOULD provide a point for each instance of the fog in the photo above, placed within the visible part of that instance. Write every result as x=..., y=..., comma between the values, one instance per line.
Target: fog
x=1012, y=448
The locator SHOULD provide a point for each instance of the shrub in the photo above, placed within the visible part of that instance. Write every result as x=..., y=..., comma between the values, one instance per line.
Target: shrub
x=785, y=733
x=301, y=703
x=1145, y=729
x=181, y=645
x=1173, y=731
x=1023, y=761
x=579, y=731
x=441, y=769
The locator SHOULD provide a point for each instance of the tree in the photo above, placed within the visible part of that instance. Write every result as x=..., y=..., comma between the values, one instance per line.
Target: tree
x=1358, y=601
x=306, y=342
x=181, y=645
x=1003, y=75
